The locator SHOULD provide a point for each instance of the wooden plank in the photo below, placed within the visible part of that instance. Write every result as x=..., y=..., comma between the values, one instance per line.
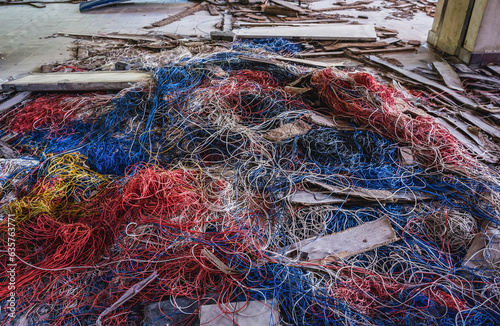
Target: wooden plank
x=386, y=50
x=450, y=77
x=374, y=195
x=18, y=98
x=78, y=81
x=320, y=54
x=341, y=8
x=339, y=46
x=311, y=63
x=287, y=131
x=308, y=198
x=278, y=10
x=289, y=5
x=485, y=249
x=294, y=23
x=213, y=10
x=179, y=16
x=125, y=37
x=478, y=122
x=494, y=68
x=347, y=243
x=334, y=32
x=422, y=80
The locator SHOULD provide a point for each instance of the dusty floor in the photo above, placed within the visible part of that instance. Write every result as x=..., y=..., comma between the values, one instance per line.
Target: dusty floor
x=26, y=42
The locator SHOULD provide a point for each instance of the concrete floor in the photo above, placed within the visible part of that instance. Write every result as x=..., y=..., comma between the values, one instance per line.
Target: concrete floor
x=24, y=30
x=26, y=42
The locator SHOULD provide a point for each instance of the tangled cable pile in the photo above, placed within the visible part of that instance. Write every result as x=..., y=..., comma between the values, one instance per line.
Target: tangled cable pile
x=191, y=181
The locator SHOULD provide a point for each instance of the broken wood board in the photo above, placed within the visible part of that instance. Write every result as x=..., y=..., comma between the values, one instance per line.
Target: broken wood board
x=386, y=50
x=484, y=251
x=339, y=46
x=294, y=23
x=341, y=8
x=78, y=81
x=347, y=243
x=478, y=122
x=18, y=98
x=125, y=37
x=308, y=62
x=244, y=313
x=278, y=11
x=287, y=131
x=308, y=198
x=313, y=32
x=7, y=152
x=179, y=16
x=289, y=5
x=373, y=195
x=470, y=141
x=422, y=80
x=450, y=77
x=494, y=68
x=320, y=54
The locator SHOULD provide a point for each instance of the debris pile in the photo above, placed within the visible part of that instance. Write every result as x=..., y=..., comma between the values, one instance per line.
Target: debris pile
x=324, y=194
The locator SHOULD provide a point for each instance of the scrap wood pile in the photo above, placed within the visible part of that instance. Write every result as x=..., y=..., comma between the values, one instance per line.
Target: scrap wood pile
x=319, y=192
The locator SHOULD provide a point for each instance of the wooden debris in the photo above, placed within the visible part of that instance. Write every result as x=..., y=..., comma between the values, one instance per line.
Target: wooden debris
x=125, y=37
x=422, y=80
x=339, y=46
x=485, y=249
x=308, y=198
x=288, y=131
x=373, y=195
x=308, y=62
x=494, y=68
x=386, y=50
x=406, y=156
x=313, y=32
x=347, y=243
x=6, y=151
x=320, y=54
x=289, y=5
x=293, y=22
x=176, y=17
x=449, y=75
x=213, y=10
x=78, y=81
x=341, y=8
x=278, y=10
x=478, y=122
x=18, y=98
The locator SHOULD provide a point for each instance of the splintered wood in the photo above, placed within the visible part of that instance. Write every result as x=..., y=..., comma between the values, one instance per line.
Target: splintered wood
x=350, y=242
x=78, y=81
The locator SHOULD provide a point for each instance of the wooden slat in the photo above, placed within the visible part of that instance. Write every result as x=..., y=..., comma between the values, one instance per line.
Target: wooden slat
x=18, y=98
x=350, y=242
x=450, y=77
x=339, y=46
x=78, y=81
x=335, y=32
x=422, y=80
x=178, y=16
x=289, y=5
x=386, y=50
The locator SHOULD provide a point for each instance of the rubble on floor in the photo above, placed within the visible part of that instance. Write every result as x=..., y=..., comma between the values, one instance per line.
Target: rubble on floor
x=250, y=182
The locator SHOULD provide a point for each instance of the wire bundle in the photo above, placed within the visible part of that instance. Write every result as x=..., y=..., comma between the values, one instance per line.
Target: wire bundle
x=181, y=180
